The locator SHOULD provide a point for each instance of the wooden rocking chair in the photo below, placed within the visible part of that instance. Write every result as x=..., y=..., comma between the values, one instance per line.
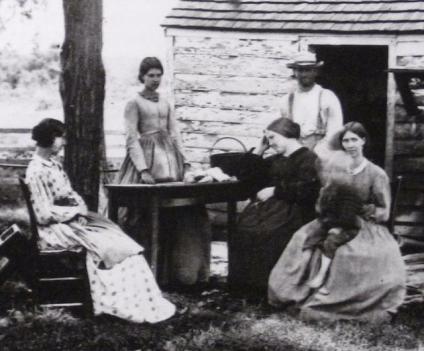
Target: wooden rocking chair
x=395, y=186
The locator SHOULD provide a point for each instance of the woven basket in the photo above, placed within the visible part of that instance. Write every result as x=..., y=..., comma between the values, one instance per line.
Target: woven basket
x=229, y=162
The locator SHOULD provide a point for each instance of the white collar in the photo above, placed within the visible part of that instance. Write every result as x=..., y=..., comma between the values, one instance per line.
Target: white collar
x=46, y=162
x=360, y=168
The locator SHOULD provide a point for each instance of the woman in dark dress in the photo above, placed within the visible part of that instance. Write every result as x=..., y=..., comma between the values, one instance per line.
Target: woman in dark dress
x=288, y=186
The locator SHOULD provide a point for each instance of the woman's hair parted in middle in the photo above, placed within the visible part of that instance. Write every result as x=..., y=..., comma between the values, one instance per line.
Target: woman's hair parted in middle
x=147, y=64
x=285, y=127
x=46, y=131
x=356, y=128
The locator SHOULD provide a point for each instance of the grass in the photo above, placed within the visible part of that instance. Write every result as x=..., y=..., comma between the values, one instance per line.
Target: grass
x=212, y=320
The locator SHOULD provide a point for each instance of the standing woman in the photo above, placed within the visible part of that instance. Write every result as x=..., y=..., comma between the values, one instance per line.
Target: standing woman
x=367, y=276
x=121, y=282
x=155, y=154
x=288, y=185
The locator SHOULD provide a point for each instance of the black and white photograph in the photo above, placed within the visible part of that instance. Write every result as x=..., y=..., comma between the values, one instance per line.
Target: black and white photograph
x=212, y=175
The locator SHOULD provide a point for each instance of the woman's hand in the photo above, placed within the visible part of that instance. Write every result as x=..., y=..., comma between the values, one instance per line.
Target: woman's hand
x=262, y=146
x=189, y=177
x=187, y=167
x=82, y=220
x=146, y=177
x=265, y=194
x=368, y=211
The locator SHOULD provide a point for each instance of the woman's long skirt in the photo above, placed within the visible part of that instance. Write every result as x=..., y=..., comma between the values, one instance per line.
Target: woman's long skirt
x=366, y=278
x=185, y=233
x=121, y=282
x=263, y=231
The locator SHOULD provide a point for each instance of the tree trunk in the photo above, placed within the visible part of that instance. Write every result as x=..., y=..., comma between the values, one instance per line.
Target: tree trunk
x=82, y=88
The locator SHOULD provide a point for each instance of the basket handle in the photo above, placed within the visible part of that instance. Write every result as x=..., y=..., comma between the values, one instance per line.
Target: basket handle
x=232, y=138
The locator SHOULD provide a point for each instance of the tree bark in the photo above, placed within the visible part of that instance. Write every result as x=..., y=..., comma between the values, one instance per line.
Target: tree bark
x=82, y=89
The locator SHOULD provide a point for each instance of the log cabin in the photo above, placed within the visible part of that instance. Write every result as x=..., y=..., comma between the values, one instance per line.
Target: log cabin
x=227, y=70
x=227, y=67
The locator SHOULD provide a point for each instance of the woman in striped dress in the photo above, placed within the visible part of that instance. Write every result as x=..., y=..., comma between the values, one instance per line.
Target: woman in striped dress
x=120, y=279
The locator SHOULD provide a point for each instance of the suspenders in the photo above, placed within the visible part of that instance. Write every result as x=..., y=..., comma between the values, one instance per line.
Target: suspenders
x=322, y=121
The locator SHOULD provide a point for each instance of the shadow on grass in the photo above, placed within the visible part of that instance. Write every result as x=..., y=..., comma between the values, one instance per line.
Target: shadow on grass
x=209, y=320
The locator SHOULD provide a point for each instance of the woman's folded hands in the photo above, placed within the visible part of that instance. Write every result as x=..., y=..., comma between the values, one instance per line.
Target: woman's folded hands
x=368, y=211
x=65, y=201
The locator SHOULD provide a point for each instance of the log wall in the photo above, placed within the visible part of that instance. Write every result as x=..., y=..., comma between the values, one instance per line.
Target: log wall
x=227, y=86
x=231, y=84
x=408, y=147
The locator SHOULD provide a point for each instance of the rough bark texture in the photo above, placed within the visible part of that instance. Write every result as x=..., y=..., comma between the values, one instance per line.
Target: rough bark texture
x=82, y=91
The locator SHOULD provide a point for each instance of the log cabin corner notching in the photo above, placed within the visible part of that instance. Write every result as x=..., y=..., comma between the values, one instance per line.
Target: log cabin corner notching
x=227, y=67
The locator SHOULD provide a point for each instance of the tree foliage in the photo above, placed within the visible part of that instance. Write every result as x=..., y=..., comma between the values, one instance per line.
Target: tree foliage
x=11, y=8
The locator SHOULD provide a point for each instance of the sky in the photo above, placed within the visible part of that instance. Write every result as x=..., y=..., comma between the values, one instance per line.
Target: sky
x=131, y=31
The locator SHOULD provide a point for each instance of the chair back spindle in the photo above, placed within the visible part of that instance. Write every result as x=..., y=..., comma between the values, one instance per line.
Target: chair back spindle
x=395, y=186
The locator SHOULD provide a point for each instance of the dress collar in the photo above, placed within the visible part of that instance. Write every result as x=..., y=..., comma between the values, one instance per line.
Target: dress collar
x=297, y=152
x=45, y=162
x=150, y=97
x=360, y=168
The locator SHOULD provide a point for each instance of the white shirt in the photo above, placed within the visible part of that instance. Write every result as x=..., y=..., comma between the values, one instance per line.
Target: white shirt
x=306, y=110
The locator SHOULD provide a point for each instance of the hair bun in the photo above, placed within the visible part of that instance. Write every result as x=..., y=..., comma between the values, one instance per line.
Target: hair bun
x=46, y=131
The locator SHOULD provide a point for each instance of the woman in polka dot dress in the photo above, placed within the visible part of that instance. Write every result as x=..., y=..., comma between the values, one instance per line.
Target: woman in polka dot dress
x=121, y=281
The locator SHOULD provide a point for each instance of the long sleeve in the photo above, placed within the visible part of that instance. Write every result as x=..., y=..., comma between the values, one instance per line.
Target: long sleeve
x=303, y=187
x=132, y=136
x=174, y=131
x=254, y=171
x=42, y=199
x=381, y=196
x=333, y=113
x=82, y=206
x=83, y=210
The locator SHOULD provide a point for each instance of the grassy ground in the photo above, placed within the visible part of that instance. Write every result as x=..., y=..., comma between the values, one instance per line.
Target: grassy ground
x=208, y=320
x=212, y=320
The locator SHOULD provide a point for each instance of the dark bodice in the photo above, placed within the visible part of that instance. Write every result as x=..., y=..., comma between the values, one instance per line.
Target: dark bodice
x=295, y=178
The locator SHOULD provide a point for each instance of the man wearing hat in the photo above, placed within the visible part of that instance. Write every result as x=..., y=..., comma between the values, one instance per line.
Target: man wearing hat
x=315, y=109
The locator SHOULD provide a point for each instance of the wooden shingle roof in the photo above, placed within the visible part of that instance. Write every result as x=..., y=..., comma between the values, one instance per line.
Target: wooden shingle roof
x=353, y=16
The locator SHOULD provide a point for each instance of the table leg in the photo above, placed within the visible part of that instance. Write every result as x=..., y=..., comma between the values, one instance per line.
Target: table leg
x=231, y=229
x=154, y=242
x=112, y=207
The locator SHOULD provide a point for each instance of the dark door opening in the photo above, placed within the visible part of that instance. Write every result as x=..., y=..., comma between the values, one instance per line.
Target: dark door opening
x=358, y=76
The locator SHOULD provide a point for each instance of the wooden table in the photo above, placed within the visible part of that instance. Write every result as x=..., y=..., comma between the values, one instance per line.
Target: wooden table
x=157, y=196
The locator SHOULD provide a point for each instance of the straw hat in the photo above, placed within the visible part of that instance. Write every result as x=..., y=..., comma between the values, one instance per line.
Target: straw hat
x=305, y=59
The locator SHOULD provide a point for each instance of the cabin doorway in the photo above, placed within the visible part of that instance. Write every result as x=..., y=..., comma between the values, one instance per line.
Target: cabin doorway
x=358, y=76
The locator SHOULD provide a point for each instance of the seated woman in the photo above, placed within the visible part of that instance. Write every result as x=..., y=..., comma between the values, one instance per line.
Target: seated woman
x=289, y=184
x=339, y=207
x=367, y=275
x=120, y=279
